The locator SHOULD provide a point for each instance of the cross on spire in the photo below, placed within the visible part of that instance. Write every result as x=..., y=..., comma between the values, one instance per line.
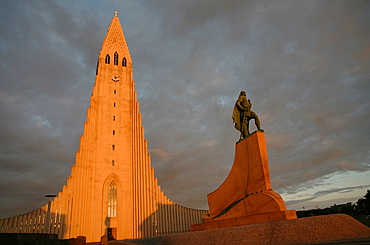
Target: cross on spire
x=115, y=13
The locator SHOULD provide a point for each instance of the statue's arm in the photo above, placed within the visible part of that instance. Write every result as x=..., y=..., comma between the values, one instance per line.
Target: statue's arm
x=239, y=106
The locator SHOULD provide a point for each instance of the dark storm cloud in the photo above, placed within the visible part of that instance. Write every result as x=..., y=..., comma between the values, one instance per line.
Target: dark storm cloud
x=304, y=65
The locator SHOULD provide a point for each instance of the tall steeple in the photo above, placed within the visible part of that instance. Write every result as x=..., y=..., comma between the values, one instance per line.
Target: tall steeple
x=112, y=189
x=108, y=141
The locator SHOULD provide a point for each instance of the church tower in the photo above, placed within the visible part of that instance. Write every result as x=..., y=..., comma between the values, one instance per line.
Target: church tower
x=112, y=189
x=108, y=147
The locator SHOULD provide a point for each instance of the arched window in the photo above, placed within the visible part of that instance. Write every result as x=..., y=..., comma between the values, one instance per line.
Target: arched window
x=112, y=199
x=124, y=62
x=116, y=58
x=107, y=59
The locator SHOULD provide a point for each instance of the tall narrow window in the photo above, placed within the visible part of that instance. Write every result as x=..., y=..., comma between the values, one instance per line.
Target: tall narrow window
x=114, y=104
x=124, y=62
x=112, y=199
x=114, y=132
x=112, y=162
x=107, y=59
x=114, y=91
x=116, y=58
x=114, y=118
x=113, y=147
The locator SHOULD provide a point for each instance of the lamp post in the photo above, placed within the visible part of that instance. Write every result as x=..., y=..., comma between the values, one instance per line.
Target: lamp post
x=47, y=219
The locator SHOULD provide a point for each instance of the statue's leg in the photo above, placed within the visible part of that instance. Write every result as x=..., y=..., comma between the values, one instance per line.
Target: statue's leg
x=247, y=127
x=244, y=131
x=257, y=121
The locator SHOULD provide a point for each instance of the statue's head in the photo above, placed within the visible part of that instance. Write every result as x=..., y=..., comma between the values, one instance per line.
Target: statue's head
x=243, y=93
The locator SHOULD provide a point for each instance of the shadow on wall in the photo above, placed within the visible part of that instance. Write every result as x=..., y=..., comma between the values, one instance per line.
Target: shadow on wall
x=111, y=228
x=58, y=225
x=170, y=219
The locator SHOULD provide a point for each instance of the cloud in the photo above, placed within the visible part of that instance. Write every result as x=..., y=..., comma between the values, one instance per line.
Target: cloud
x=319, y=194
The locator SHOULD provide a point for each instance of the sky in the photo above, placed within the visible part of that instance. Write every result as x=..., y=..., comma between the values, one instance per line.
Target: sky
x=305, y=65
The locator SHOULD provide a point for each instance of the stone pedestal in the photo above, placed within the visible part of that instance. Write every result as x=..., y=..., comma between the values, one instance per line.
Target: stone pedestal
x=246, y=196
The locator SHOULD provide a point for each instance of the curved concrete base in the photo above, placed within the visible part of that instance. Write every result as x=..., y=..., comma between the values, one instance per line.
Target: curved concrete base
x=260, y=202
x=246, y=197
x=313, y=230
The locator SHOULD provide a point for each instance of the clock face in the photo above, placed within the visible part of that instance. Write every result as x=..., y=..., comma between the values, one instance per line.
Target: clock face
x=115, y=78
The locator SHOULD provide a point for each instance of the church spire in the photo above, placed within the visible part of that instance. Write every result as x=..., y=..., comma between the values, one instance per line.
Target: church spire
x=114, y=49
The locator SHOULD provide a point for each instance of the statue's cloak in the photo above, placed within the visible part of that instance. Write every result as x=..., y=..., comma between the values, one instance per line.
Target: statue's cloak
x=237, y=118
x=239, y=113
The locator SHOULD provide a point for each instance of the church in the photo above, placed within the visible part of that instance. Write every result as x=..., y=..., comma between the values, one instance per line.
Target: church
x=112, y=189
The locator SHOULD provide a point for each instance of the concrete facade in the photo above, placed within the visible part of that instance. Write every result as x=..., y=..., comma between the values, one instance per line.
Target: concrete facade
x=112, y=189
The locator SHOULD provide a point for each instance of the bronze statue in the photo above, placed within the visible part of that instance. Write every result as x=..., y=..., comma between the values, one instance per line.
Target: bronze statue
x=242, y=114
